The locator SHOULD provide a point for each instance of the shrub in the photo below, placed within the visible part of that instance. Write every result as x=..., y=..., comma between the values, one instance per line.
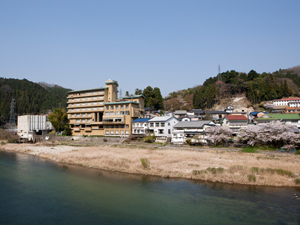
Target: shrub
x=198, y=172
x=3, y=143
x=297, y=181
x=150, y=138
x=215, y=170
x=145, y=163
x=297, y=152
x=11, y=141
x=188, y=141
x=236, y=168
x=255, y=169
x=104, y=140
x=252, y=178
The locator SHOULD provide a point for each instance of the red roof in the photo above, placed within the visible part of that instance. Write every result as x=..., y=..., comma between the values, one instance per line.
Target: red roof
x=236, y=117
x=289, y=99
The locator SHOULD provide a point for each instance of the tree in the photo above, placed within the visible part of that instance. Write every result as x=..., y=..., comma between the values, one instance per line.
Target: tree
x=58, y=119
x=138, y=91
x=148, y=93
x=252, y=75
x=127, y=93
x=158, y=100
x=218, y=134
x=275, y=133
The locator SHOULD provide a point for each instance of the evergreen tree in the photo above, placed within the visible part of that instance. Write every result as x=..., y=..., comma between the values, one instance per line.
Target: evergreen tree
x=158, y=100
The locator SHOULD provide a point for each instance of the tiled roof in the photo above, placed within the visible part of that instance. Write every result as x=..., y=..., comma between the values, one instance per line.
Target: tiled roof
x=236, y=117
x=289, y=99
x=193, y=124
x=161, y=118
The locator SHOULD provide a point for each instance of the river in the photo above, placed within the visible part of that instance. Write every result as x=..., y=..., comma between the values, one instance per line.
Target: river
x=36, y=191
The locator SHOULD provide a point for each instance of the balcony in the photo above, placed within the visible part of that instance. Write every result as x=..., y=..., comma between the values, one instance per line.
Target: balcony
x=113, y=120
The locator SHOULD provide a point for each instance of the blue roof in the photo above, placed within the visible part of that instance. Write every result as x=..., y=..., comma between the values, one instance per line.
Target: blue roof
x=141, y=120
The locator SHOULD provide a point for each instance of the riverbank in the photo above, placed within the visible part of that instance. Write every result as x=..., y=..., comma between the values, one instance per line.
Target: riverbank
x=227, y=165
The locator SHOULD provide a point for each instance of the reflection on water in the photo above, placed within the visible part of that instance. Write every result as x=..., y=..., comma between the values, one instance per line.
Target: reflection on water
x=34, y=191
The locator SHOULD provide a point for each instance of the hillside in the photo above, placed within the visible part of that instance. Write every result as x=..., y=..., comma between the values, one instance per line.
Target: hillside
x=30, y=98
x=255, y=87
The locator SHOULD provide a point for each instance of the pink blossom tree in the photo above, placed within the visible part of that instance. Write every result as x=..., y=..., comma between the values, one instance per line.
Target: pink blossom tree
x=275, y=133
x=218, y=134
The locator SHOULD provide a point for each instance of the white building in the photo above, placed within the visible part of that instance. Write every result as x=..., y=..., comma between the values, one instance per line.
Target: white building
x=161, y=127
x=140, y=126
x=31, y=125
x=286, y=101
x=189, y=129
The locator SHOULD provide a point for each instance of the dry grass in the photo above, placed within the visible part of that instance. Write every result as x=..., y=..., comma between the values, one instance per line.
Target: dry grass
x=229, y=166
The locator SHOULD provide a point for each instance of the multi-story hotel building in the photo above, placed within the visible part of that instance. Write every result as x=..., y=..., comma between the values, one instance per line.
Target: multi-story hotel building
x=98, y=111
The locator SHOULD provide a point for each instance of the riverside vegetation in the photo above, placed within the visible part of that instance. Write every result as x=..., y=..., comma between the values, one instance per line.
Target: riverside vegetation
x=228, y=165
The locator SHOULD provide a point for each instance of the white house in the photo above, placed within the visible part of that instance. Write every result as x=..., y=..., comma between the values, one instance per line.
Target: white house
x=161, y=127
x=140, y=126
x=286, y=101
x=189, y=129
x=235, y=122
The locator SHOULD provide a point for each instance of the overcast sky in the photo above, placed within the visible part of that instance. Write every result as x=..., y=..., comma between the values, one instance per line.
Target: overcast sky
x=168, y=44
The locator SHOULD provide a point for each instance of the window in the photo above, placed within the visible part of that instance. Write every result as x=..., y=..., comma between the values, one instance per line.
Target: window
x=89, y=98
x=78, y=115
x=100, y=97
x=122, y=131
x=89, y=93
x=121, y=107
x=100, y=92
x=106, y=132
x=151, y=124
x=77, y=99
x=89, y=103
x=111, y=113
x=127, y=107
x=88, y=114
x=116, y=107
x=100, y=108
x=82, y=99
x=111, y=107
x=83, y=120
x=156, y=124
x=94, y=103
x=162, y=124
x=111, y=132
x=121, y=126
x=88, y=120
x=83, y=109
x=94, y=98
x=127, y=113
x=169, y=131
x=117, y=132
x=117, y=126
x=100, y=103
x=107, y=107
x=169, y=124
x=106, y=113
x=77, y=109
x=72, y=109
x=106, y=126
x=72, y=115
x=78, y=120
x=127, y=126
x=72, y=100
x=117, y=113
x=160, y=131
x=82, y=103
x=111, y=126
x=82, y=93
x=121, y=112
x=127, y=132
x=77, y=104
x=95, y=108
x=95, y=92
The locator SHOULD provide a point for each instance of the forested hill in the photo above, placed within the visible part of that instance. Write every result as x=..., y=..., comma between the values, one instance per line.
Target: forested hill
x=30, y=97
x=256, y=87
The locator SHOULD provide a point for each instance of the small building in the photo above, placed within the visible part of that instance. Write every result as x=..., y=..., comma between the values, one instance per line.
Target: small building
x=194, y=130
x=229, y=109
x=140, y=126
x=30, y=127
x=197, y=112
x=235, y=122
x=180, y=113
x=217, y=115
x=161, y=127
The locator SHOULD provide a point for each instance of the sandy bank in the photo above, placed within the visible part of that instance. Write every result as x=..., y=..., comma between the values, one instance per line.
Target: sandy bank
x=217, y=165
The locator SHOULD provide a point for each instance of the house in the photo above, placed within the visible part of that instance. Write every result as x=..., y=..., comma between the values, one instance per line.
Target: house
x=189, y=129
x=217, y=115
x=31, y=126
x=161, y=127
x=253, y=115
x=291, y=110
x=286, y=101
x=180, y=113
x=235, y=122
x=98, y=111
x=287, y=118
x=197, y=112
x=140, y=126
x=229, y=109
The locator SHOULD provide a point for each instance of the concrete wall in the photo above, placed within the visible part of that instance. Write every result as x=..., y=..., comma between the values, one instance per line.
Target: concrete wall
x=80, y=138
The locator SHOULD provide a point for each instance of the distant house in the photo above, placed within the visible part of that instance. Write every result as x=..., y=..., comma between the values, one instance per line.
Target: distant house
x=161, y=127
x=179, y=113
x=189, y=129
x=293, y=119
x=229, y=109
x=217, y=115
x=253, y=115
x=235, y=122
x=139, y=126
x=291, y=110
x=197, y=111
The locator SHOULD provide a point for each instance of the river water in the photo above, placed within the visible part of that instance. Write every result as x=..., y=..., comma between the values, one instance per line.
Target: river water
x=35, y=191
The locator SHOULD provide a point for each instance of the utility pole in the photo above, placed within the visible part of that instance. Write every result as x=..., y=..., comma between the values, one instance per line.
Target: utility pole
x=12, y=122
x=219, y=73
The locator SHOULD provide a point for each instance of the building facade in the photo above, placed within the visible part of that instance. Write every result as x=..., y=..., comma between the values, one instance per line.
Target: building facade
x=98, y=111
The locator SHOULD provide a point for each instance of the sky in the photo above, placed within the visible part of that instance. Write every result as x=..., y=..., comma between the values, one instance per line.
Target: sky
x=169, y=44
